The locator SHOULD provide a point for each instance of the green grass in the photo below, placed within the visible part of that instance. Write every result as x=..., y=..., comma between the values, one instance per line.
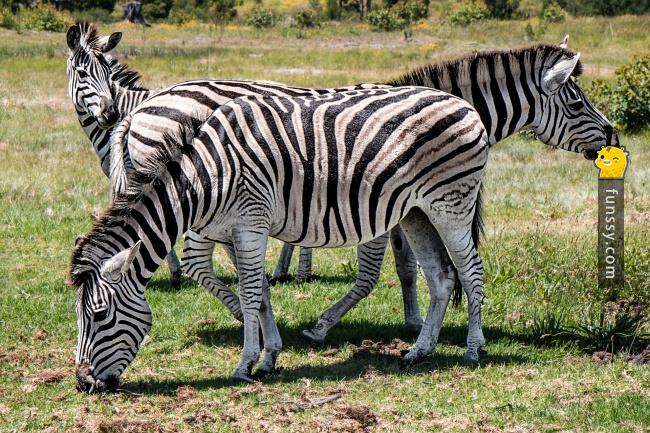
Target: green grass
x=539, y=253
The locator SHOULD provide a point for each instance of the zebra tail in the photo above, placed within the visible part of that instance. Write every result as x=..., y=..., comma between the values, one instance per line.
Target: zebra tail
x=120, y=158
x=477, y=231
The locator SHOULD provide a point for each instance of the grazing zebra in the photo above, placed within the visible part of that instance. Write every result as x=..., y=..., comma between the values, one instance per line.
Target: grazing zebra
x=523, y=89
x=339, y=169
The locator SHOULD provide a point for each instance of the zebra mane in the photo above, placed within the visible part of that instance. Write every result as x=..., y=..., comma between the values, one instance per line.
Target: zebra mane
x=139, y=183
x=125, y=76
x=483, y=60
x=89, y=36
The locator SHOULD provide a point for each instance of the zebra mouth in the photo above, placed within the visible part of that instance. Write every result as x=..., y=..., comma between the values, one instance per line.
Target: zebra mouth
x=87, y=383
x=590, y=154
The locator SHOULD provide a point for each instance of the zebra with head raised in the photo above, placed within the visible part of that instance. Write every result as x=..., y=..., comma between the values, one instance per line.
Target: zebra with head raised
x=334, y=170
x=524, y=89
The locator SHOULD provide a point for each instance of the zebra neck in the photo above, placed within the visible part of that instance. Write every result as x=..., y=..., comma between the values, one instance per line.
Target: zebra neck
x=128, y=99
x=506, y=100
x=158, y=215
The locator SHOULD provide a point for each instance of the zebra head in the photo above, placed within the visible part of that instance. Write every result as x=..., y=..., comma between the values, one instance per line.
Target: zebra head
x=567, y=118
x=113, y=316
x=89, y=73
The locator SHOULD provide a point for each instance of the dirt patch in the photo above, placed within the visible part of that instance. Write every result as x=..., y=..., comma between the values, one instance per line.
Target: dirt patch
x=200, y=417
x=347, y=419
x=186, y=392
x=52, y=375
x=640, y=358
x=124, y=425
x=330, y=352
x=39, y=334
x=396, y=347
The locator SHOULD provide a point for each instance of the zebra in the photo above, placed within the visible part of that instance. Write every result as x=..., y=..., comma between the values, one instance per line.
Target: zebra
x=508, y=91
x=338, y=169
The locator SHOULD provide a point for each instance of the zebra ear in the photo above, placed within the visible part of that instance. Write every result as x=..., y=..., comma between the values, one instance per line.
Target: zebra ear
x=565, y=42
x=73, y=37
x=556, y=76
x=111, y=42
x=119, y=264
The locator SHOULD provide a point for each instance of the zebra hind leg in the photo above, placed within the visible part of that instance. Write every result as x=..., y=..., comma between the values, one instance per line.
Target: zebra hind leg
x=270, y=335
x=281, y=272
x=305, y=274
x=370, y=256
x=250, y=248
x=174, y=270
x=439, y=273
x=407, y=270
x=197, y=264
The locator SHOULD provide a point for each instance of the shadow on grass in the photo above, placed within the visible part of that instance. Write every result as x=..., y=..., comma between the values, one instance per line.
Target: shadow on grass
x=348, y=369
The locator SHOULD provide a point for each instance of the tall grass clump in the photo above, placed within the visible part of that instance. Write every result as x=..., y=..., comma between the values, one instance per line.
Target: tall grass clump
x=385, y=20
x=262, y=18
x=43, y=17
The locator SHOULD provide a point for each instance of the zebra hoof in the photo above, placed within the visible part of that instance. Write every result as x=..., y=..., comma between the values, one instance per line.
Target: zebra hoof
x=471, y=356
x=284, y=278
x=261, y=374
x=301, y=279
x=176, y=279
x=312, y=338
x=406, y=362
x=238, y=380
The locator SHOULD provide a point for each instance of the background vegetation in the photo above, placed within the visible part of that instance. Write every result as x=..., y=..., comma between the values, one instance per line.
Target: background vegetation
x=546, y=321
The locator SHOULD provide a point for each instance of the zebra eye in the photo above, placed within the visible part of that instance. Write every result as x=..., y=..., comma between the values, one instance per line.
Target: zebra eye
x=100, y=315
x=82, y=73
x=575, y=105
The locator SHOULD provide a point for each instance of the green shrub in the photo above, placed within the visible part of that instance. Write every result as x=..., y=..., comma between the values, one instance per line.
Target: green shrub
x=94, y=15
x=385, y=20
x=553, y=13
x=156, y=9
x=502, y=9
x=605, y=7
x=262, y=18
x=44, y=17
x=305, y=18
x=625, y=101
x=467, y=14
x=333, y=11
x=412, y=10
x=222, y=11
x=8, y=19
x=83, y=5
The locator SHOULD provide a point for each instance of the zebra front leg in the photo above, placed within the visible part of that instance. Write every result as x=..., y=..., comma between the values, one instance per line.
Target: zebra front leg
x=270, y=335
x=174, y=270
x=407, y=270
x=250, y=247
x=281, y=273
x=197, y=264
x=371, y=256
x=439, y=273
x=304, y=266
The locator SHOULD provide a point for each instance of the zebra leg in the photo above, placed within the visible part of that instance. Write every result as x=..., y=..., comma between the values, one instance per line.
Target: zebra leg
x=250, y=248
x=174, y=269
x=270, y=335
x=407, y=271
x=439, y=273
x=461, y=247
x=197, y=264
x=304, y=266
x=371, y=256
x=281, y=273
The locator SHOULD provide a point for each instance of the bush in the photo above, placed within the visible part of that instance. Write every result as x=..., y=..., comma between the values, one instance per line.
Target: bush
x=44, y=17
x=156, y=9
x=553, y=13
x=467, y=14
x=305, y=18
x=625, y=102
x=412, y=10
x=502, y=9
x=333, y=11
x=8, y=19
x=222, y=11
x=83, y=5
x=262, y=18
x=385, y=20
x=605, y=7
x=94, y=15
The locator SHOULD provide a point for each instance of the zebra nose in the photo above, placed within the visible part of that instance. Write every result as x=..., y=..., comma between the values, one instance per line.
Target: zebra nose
x=108, y=109
x=611, y=136
x=85, y=380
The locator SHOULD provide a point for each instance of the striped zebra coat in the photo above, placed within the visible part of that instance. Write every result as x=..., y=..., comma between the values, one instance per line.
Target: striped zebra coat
x=333, y=170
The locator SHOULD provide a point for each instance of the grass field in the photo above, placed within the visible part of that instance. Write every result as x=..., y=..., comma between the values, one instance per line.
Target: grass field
x=539, y=252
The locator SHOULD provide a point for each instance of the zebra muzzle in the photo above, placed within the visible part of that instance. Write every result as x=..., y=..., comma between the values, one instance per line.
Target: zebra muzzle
x=86, y=382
